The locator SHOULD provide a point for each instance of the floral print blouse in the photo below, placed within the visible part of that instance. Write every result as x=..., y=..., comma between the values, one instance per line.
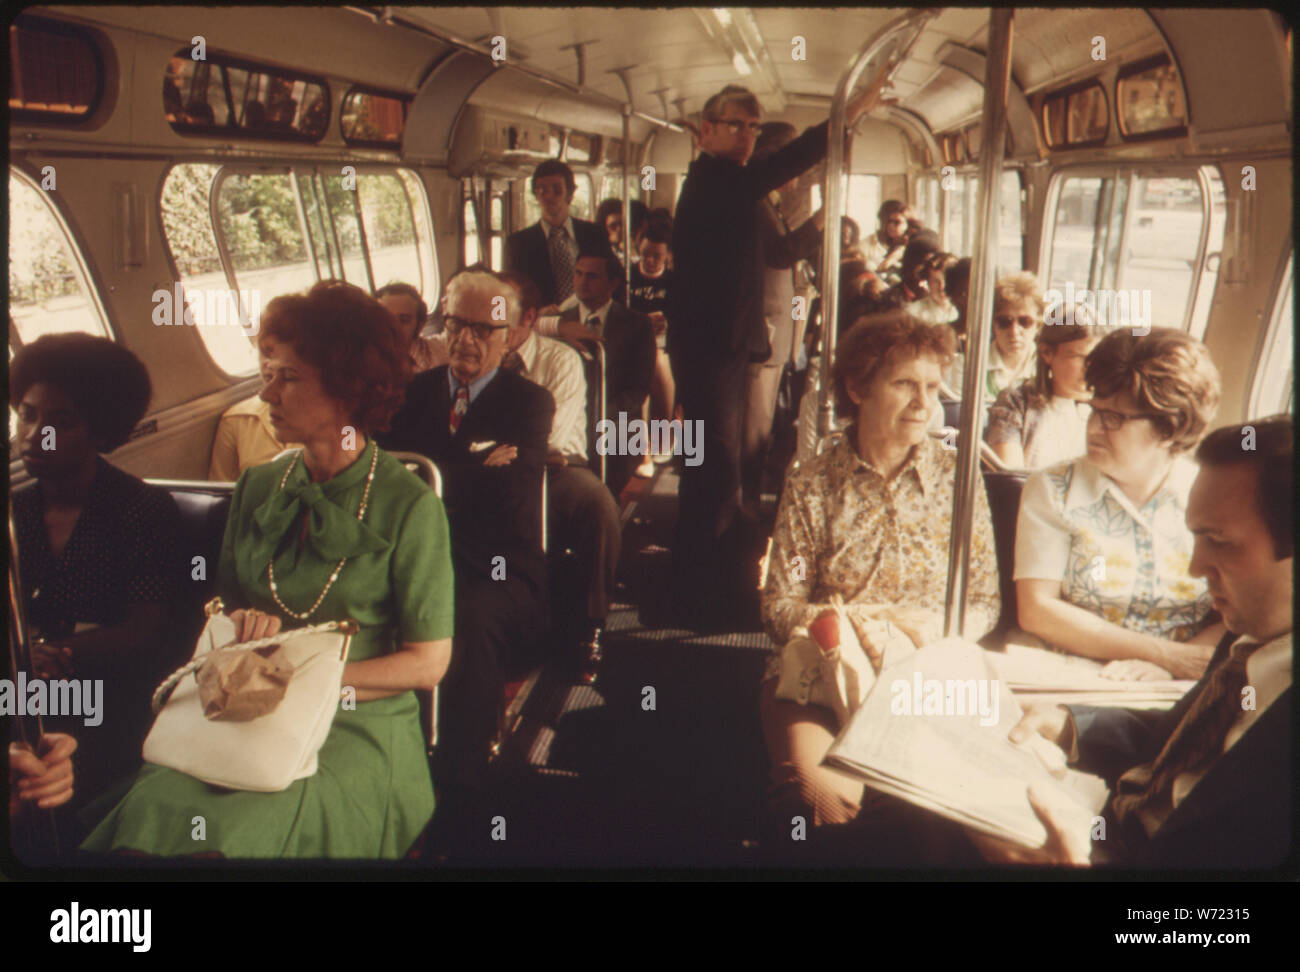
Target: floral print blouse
x=841, y=528
x=1128, y=565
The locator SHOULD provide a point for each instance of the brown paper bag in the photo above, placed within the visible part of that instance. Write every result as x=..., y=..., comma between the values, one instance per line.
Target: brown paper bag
x=239, y=686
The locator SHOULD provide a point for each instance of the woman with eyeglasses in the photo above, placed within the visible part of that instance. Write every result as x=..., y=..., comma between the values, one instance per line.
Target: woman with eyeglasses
x=1044, y=419
x=1018, y=307
x=1102, y=550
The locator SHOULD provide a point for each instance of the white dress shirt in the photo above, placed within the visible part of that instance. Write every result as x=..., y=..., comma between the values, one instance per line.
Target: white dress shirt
x=558, y=368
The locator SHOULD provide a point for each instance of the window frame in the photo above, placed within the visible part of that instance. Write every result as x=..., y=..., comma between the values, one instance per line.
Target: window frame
x=1128, y=172
x=1266, y=349
x=81, y=265
x=363, y=89
x=48, y=25
x=222, y=60
x=311, y=170
x=1137, y=67
x=1066, y=93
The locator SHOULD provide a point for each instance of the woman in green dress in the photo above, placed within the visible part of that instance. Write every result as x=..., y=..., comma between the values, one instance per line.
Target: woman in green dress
x=333, y=373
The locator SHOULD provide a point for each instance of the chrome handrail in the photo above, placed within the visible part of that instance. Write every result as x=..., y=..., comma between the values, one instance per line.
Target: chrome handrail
x=997, y=79
x=835, y=197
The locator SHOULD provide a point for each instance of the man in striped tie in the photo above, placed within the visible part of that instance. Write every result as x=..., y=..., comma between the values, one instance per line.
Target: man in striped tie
x=1208, y=783
x=547, y=251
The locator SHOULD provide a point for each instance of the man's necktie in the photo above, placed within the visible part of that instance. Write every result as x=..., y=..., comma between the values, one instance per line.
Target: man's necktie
x=458, y=408
x=593, y=322
x=513, y=362
x=1196, y=741
x=561, y=263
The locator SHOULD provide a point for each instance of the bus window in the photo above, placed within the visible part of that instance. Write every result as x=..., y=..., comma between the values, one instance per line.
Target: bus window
x=49, y=288
x=470, y=252
x=956, y=201
x=864, y=202
x=1164, y=237
x=1075, y=229
x=424, y=240
x=1273, y=389
x=1141, y=231
x=390, y=229
x=345, y=226
x=1010, y=236
x=259, y=226
x=187, y=233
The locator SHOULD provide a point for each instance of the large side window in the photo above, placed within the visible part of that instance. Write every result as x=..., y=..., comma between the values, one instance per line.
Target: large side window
x=279, y=232
x=219, y=95
x=1010, y=237
x=1273, y=388
x=1153, y=235
x=49, y=288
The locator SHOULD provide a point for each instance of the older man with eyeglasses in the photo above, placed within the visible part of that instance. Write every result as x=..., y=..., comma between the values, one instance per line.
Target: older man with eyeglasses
x=719, y=327
x=486, y=427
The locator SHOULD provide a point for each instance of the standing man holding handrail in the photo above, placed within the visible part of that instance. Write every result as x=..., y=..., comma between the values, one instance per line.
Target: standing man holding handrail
x=718, y=326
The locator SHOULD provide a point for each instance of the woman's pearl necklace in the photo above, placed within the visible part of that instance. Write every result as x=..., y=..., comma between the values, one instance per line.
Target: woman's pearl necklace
x=270, y=567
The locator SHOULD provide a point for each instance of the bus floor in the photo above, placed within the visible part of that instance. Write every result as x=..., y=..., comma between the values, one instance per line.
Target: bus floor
x=659, y=764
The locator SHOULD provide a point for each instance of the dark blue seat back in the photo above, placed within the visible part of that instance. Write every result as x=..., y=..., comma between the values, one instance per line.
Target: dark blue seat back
x=1003, y=489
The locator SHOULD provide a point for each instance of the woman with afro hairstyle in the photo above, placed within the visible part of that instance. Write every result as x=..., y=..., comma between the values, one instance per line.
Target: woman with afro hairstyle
x=97, y=546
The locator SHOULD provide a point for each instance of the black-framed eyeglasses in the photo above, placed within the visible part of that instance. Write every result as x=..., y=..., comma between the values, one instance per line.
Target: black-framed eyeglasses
x=482, y=329
x=1004, y=321
x=1112, y=421
x=736, y=127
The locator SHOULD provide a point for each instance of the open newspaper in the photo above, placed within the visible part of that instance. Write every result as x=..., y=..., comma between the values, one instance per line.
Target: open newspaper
x=933, y=731
x=1040, y=675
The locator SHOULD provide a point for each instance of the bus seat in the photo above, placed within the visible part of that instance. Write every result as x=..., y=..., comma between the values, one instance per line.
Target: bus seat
x=951, y=412
x=204, y=507
x=1003, y=489
x=423, y=467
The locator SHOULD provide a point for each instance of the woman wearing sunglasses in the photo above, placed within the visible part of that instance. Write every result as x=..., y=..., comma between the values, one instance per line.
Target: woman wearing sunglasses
x=1102, y=550
x=1044, y=419
x=1018, y=306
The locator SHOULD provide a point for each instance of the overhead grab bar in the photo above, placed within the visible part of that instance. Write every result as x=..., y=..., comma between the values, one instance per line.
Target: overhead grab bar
x=914, y=21
x=997, y=79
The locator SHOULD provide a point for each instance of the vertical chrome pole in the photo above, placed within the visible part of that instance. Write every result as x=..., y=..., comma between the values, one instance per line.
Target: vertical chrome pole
x=997, y=77
x=834, y=201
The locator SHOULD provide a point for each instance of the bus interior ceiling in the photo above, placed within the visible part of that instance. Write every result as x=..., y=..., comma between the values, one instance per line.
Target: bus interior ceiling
x=486, y=93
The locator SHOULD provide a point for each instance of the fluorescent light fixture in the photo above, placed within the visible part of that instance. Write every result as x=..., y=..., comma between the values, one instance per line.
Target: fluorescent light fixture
x=741, y=65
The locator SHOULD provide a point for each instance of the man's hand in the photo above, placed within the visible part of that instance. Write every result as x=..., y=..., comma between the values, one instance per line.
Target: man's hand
x=502, y=455
x=1069, y=835
x=870, y=96
x=46, y=779
x=1042, y=730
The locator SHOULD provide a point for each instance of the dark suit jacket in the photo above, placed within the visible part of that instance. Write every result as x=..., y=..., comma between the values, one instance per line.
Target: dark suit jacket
x=527, y=252
x=629, y=359
x=492, y=510
x=1237, y=816
x=717, y=297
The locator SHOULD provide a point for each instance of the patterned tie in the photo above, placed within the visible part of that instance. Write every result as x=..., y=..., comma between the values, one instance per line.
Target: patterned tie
x=593, y=322
x=513, y=362
x=1196, y=741
x=458, y=408
x=561, y=263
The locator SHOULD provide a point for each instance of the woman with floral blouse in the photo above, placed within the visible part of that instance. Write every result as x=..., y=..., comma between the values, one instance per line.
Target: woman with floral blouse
x=1102, y=550
x=868, y=519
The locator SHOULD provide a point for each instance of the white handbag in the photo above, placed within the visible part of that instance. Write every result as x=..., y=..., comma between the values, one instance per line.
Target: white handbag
x=838, y=679
x=270, y=752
